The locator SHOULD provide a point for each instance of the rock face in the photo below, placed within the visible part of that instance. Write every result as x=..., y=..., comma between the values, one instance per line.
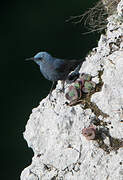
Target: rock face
x=54, y=129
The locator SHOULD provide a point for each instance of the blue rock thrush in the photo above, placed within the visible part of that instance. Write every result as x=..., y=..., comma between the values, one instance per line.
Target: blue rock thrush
x=55, y=69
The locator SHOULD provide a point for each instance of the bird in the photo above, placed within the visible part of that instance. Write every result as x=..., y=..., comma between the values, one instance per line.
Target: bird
x=54, y=69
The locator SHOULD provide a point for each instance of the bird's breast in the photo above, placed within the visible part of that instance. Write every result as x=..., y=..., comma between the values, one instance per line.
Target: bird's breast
x=47, y=70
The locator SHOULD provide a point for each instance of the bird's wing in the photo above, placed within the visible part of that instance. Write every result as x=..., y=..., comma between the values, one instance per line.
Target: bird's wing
x=68, y=65
x=62, y=67
x=74, y=63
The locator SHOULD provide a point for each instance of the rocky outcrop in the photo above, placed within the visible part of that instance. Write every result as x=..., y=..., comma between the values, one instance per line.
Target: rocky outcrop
x=54, y=129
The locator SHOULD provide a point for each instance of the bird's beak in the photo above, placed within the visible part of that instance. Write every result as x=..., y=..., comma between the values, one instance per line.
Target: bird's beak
x=29, y=59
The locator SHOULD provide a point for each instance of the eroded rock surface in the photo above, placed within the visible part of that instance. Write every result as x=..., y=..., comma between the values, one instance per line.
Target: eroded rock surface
x=54, y=129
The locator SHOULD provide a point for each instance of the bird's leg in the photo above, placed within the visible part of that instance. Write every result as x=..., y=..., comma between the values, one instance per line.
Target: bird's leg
x=52, y=87
x=63, y=88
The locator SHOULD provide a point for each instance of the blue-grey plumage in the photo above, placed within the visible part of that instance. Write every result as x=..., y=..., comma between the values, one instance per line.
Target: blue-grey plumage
x=54, y=69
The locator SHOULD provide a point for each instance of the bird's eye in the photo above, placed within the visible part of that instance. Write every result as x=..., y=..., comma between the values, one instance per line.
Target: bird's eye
x=40, y=58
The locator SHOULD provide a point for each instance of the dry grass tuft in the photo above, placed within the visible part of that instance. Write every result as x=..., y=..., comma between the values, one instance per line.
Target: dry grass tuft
x=95, y=19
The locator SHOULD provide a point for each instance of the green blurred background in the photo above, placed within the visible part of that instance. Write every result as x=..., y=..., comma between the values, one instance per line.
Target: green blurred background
x=28, y=27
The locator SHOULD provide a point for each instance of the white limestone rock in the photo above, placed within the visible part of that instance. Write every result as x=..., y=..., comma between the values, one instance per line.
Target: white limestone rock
x=120, y=8
x=53, y=130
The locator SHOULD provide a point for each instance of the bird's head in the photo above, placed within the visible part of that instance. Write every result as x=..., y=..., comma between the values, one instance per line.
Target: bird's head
x=41, y=57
